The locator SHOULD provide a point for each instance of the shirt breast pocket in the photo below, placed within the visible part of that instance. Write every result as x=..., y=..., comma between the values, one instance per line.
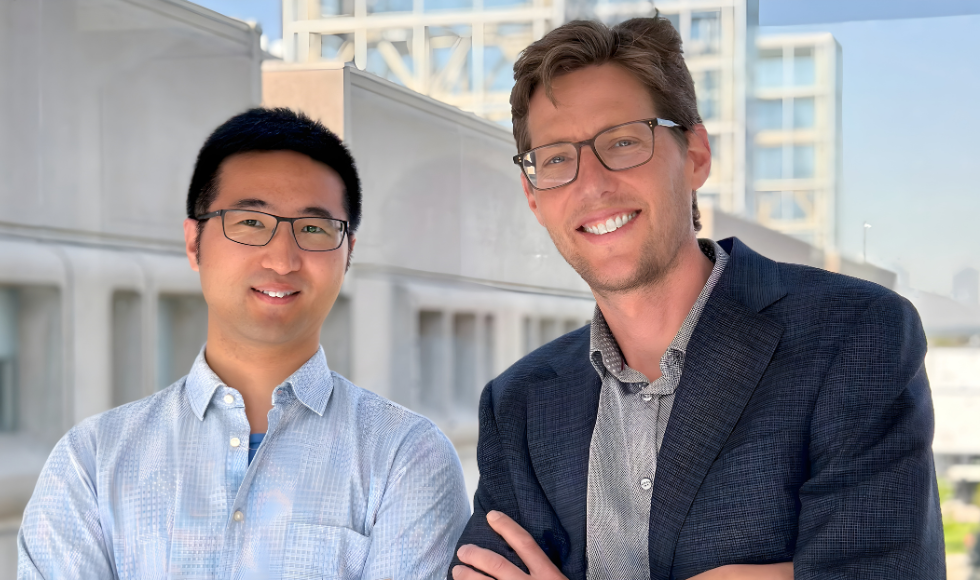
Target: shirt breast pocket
x=324, y=552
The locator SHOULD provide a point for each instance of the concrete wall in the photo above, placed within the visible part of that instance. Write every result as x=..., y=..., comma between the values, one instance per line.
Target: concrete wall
x=785, y=248
x=103, y=106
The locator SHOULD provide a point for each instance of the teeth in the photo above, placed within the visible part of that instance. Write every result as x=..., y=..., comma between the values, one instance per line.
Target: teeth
x=610, y=225
x=277, y=294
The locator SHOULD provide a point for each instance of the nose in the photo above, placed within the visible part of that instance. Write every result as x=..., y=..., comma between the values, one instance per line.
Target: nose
x=282, y=254
x=593, y=177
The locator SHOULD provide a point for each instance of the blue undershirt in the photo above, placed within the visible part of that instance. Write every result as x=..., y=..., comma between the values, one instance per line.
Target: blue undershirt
x=254, y=440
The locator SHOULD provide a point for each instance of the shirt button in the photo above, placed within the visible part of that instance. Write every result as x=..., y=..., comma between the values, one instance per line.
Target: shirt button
x=239, y=516
x=229, y=399
x=646, y=398
x=235, y=441
x=646, y=484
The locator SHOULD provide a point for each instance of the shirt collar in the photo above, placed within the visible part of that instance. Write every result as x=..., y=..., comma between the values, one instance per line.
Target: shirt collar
x=312, y=384
x=605, y=354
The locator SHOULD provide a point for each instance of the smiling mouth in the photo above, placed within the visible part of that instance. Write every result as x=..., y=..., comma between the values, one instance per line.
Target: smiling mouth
x=610, y=225
x=276, y=294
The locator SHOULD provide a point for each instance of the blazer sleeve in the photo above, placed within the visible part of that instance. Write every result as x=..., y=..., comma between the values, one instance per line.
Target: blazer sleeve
x=870, y=508
x=495, y=490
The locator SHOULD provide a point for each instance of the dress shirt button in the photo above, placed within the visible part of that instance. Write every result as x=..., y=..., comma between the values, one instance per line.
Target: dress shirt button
x=646, y=398
x=646, y=484
x=229, y=399
x=235, y=441
x=239, y=516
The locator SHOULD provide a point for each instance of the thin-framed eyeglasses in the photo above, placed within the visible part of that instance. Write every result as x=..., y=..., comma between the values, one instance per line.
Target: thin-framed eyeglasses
x=257, y=228
x=621, y=147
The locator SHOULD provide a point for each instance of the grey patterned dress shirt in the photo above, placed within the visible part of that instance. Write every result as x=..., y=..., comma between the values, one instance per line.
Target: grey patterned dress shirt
x=630, y=426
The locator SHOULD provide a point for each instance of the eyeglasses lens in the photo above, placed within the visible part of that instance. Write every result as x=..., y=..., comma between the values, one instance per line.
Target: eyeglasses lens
x=254, y=228
x=619, y=148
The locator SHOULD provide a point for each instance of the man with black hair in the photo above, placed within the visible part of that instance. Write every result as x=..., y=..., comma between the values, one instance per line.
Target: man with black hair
x=262, y=462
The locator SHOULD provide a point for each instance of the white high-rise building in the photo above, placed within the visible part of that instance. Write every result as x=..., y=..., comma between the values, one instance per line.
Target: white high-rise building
x=797, y=145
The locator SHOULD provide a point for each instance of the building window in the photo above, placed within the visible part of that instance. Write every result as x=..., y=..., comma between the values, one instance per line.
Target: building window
x=9, y=326
x=528, y=336
x=706, y=85
x=804, y=70
x=182, y=321
x=770, y=114
x=803, y=161
x=785, y=205
x=769, y=68
x=769, y=162
x=31, y=354
x=705, y=33
x=127, y=348
x=803, y=113
x=432, y=354
x=489, y=346
x=714, y=143
x=465, y=386
x=335, y=335
x=549, y=330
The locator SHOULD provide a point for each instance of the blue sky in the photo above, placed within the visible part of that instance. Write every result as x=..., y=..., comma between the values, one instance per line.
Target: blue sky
x=911, y=119
x=911, y=123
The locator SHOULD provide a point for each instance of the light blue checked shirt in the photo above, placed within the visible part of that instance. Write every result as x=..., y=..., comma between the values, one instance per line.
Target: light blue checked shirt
x=345, y=485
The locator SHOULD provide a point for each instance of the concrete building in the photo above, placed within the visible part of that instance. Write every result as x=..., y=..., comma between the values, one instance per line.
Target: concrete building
x=103, y=105
x=797, y=136
x=954, y=375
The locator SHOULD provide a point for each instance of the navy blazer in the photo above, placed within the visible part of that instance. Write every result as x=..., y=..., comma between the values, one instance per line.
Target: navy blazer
x=801, y=431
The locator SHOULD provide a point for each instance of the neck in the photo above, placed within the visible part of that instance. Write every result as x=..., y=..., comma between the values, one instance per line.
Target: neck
x=255, y=370
x=645, y=320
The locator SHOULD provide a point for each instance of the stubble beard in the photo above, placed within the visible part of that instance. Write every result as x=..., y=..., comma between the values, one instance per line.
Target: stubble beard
x=656, y=258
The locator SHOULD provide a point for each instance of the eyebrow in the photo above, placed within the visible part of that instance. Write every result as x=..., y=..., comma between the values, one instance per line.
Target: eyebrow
x=254, y=203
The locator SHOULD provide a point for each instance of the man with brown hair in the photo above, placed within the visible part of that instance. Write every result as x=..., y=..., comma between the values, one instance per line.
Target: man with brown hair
x=724, y=415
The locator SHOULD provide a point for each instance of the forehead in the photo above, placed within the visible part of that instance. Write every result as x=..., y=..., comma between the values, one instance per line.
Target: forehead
x=587, y=101
x=282, y=179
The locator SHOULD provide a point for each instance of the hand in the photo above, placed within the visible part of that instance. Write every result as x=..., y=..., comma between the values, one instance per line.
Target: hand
x=781, y=571
x=501, y=568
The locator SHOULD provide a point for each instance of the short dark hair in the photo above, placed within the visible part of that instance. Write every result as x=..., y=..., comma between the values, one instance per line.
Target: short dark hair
x=279, y=129
x=649, y=48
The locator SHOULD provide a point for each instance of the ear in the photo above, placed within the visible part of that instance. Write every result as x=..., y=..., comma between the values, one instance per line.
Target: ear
x=698, y=156
x=191, y=242
x=532, y=202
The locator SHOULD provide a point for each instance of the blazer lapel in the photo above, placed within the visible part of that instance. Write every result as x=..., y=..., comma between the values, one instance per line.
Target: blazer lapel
x=727, y=355
x=561, y=416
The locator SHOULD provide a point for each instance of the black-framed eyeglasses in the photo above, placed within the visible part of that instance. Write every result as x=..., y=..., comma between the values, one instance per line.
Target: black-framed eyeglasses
x=256, y=228
x=621, y=147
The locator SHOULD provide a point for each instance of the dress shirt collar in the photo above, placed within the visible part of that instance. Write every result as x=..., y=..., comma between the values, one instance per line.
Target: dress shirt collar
x=312, y=384
x=604, y=350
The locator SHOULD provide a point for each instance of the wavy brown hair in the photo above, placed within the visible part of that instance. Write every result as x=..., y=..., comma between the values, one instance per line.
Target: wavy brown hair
x=649, y=48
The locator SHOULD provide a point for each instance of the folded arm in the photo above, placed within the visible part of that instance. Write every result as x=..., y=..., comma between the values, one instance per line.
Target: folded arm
x=422, y=513
x=870, y=508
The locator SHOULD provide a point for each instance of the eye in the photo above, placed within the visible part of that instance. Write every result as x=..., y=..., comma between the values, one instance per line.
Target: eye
x=251, y=223
x=311, y=229
x=556, y=160
x=624, y=142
